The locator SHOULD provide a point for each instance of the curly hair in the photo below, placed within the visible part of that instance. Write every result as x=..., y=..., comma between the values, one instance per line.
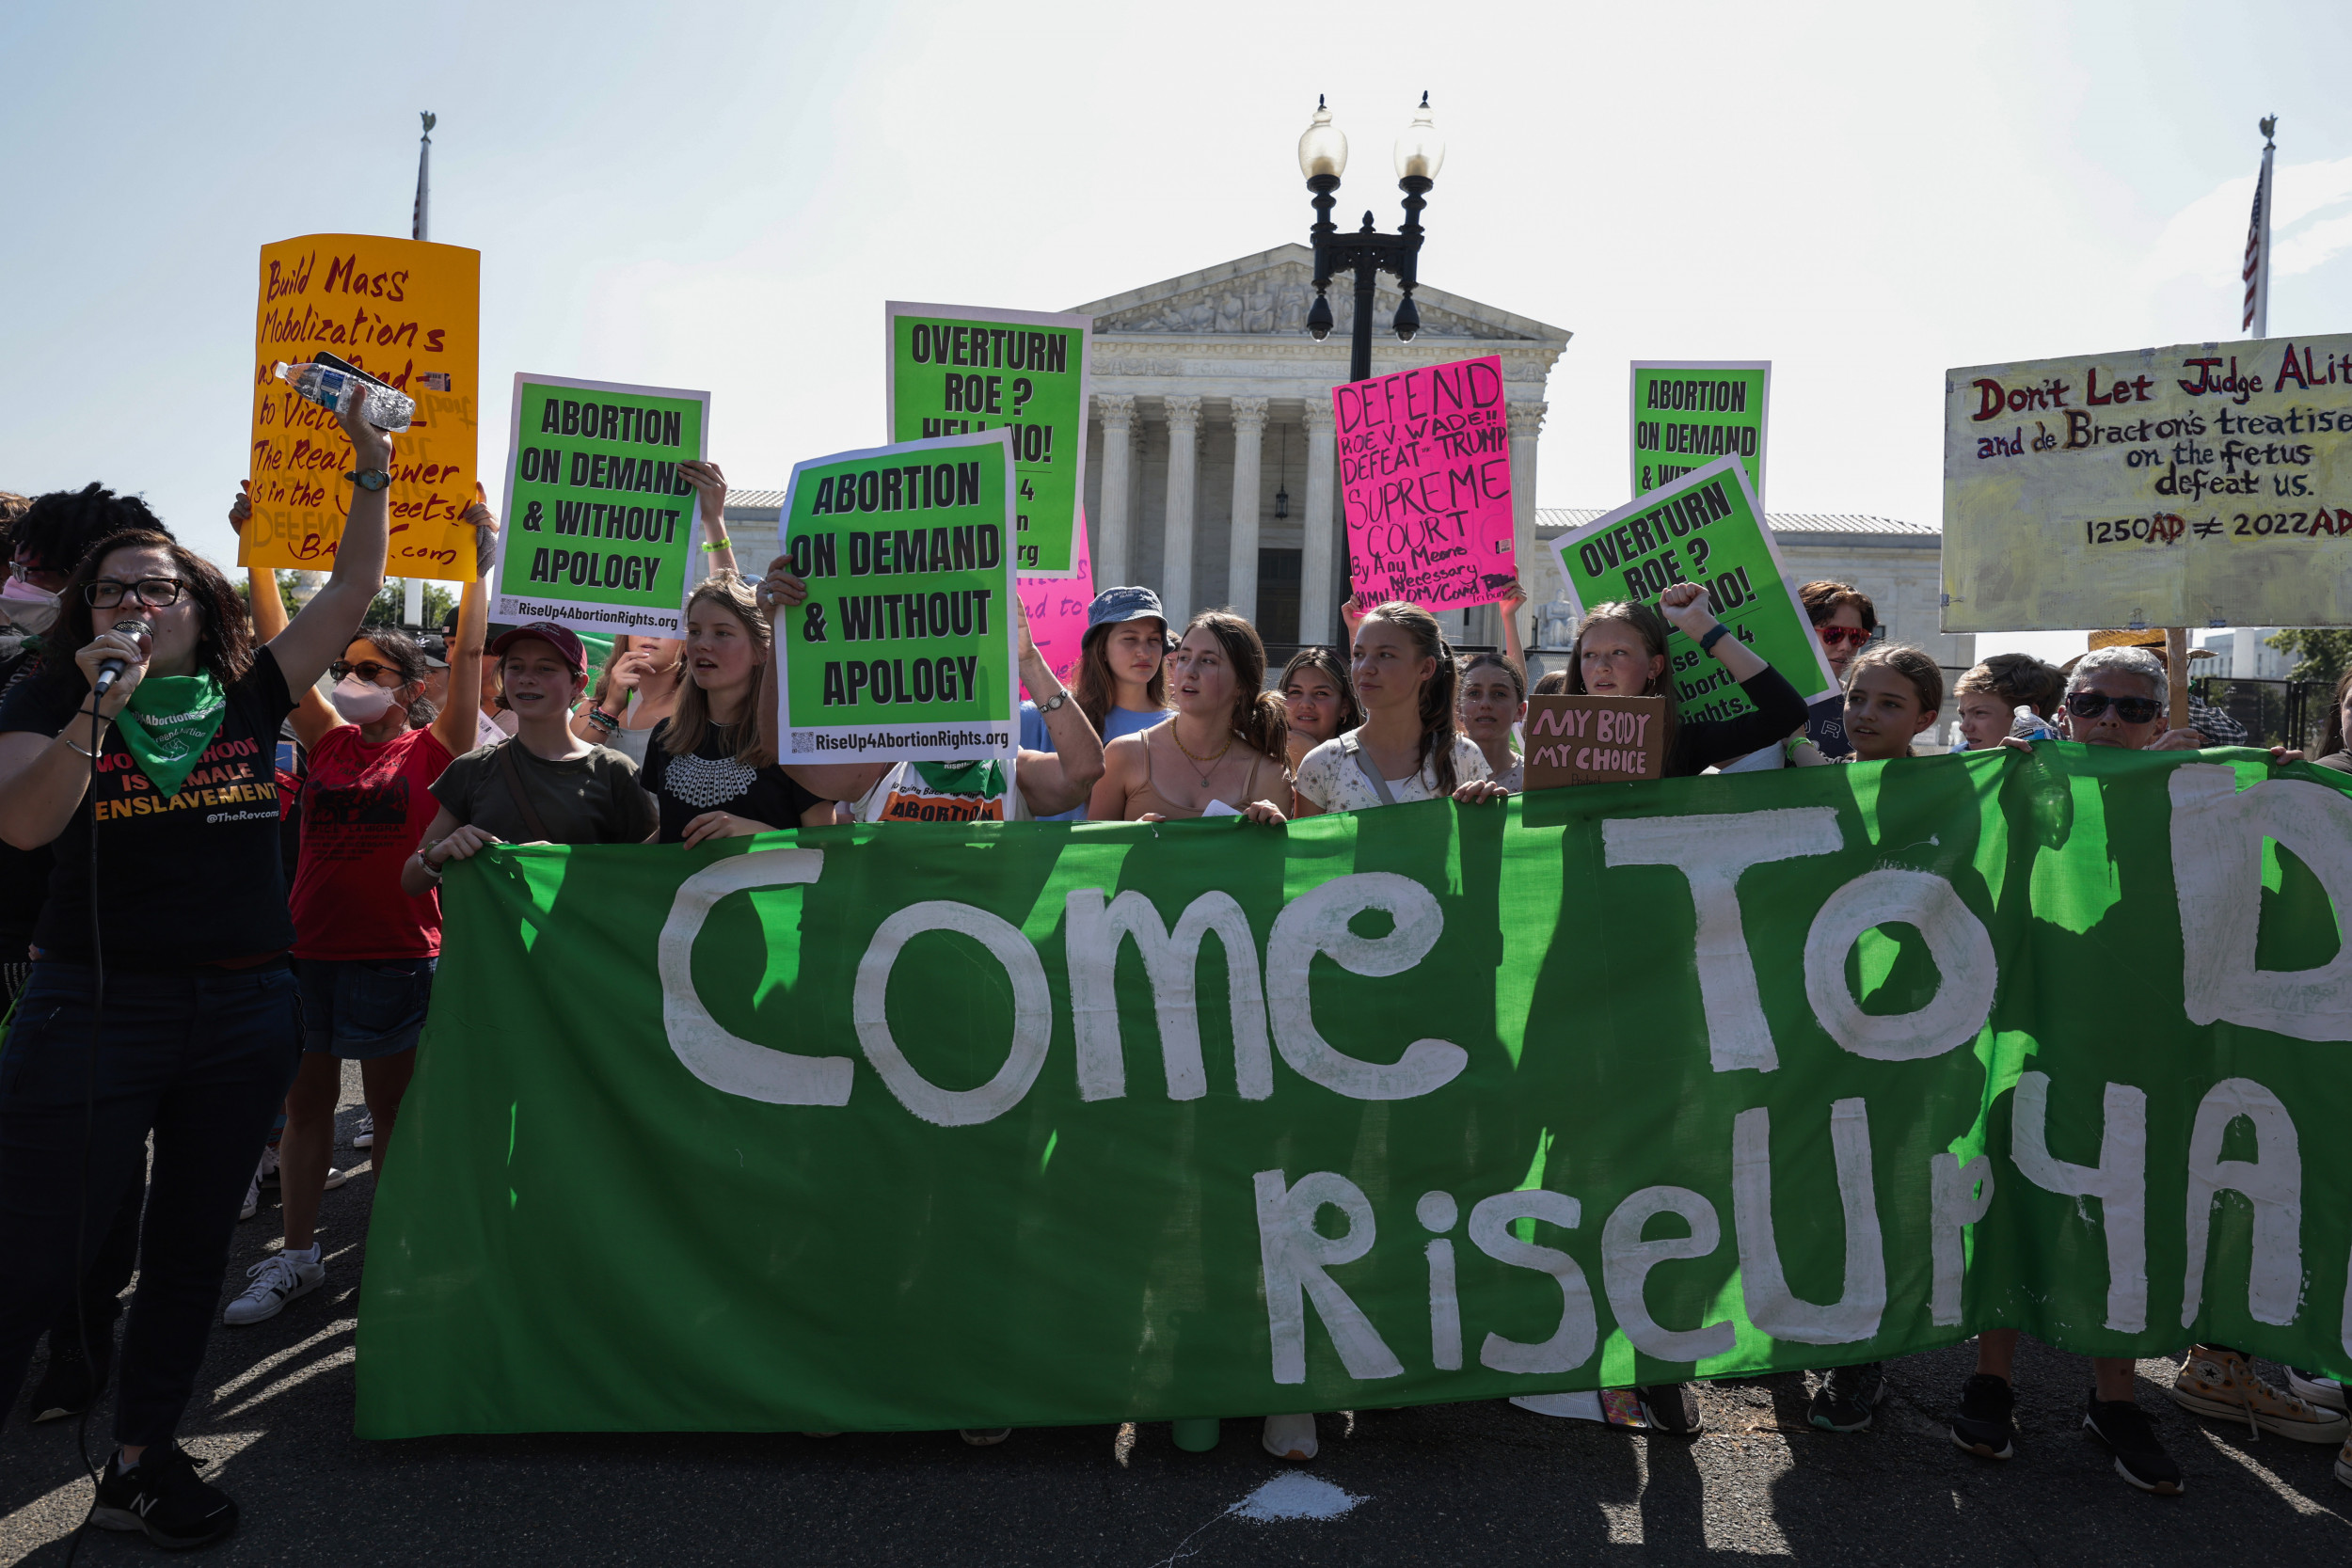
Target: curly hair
x=224, y=644
x=405, y=655
x=58, y=528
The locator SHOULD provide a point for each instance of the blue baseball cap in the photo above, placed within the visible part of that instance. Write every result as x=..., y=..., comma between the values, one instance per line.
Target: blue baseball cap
x=1113, y=606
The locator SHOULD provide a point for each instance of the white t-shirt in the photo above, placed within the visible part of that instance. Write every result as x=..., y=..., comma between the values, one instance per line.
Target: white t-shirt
x=906, y=794
x=1336, y=781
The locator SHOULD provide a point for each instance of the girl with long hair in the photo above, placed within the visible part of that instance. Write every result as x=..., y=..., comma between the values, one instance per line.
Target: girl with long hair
x=1620, y=650
x=1494, y=699
x=1410, y=746
x=710, y=771
x=1318, y=700
x=1223, y=752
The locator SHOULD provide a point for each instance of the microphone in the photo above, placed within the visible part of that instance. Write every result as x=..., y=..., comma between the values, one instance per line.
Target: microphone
x=111, y=670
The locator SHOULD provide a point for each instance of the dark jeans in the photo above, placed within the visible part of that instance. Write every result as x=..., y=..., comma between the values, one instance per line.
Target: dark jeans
x=201, y=1060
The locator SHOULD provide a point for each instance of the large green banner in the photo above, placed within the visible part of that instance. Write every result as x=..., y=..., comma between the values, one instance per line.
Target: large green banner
x=905, y=646
x=1706, y=527
x=928, y=1126
x=958, y=370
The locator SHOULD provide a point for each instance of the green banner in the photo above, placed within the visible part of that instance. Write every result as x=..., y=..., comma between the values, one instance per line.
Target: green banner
x=1689, y=412
x=957, y=369
x=905, y=648
x=919, y=1127
x=603, y=532
x=1704, y=528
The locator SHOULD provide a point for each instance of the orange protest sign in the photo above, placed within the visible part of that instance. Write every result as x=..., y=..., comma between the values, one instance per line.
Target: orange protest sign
x=403, y=311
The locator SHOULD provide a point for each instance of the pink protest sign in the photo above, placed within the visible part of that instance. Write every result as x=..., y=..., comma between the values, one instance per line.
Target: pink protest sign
x=1426, y=476
x=1058, y=610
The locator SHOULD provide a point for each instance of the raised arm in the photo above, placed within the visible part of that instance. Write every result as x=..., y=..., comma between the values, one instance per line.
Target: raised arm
x=1514, y=647
x=1053, y=783
x=328, y=624
x=778, y=592
x=458, y=722
x=710, y=486
x=313, y=715
x=1685, y=604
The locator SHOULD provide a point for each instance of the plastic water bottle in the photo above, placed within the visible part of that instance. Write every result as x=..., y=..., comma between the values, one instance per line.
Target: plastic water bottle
x=333, y=386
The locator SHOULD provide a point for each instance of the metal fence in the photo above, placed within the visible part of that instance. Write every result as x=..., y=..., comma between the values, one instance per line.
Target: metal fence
x=2265, y=712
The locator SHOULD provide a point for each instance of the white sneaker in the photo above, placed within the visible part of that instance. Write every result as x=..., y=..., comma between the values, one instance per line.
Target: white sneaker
x=277, y=1280
x=252, y=1198
x=2326, y=1392
x=363, y=1136
x=1289, y=1437
x=336, y=1178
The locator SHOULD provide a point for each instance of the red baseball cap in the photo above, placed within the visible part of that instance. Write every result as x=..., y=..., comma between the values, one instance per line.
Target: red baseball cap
x=567, y=646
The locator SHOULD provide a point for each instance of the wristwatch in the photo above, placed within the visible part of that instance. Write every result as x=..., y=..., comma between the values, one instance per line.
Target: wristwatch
x=370, y=479
x=1057, y=700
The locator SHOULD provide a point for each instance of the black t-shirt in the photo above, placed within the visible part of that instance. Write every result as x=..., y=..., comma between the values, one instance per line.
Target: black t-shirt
x=1825, y=726
x=23, y=873
x=188, y=880
x=1704, y=743
x=709, y=779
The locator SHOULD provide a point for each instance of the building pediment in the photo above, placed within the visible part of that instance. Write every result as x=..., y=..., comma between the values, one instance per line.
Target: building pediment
x=1268, y=294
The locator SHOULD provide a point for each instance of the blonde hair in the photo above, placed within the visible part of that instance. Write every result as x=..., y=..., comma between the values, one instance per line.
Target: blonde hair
x=731, y=594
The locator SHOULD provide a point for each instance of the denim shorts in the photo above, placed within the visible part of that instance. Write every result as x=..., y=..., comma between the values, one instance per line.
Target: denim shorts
x=362, y=1008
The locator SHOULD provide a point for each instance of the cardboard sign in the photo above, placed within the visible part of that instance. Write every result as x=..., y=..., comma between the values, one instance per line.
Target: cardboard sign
x=602, y=530
x=1689, y=412
x=407, y=313
x=2199, y=486
x=904, y=649
x=1057, y=612
x=958, y=370
x=1425, y=480
x=1704, y=528
x=1588, y=740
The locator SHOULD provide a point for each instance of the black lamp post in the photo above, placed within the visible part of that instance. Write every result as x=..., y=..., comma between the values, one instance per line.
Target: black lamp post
x=1323, y=158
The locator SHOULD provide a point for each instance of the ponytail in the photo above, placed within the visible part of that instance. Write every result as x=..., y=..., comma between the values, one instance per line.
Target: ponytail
x=1439, y=723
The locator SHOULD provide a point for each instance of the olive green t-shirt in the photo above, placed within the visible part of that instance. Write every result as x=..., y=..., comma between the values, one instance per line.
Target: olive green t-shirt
x=590, y=799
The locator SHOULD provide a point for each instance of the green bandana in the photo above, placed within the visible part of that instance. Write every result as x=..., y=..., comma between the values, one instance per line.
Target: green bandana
x=984, y=778
x=170, y=720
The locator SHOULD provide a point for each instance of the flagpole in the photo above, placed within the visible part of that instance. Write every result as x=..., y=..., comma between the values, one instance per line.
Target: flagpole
x=412, y=589
x=2257, y=319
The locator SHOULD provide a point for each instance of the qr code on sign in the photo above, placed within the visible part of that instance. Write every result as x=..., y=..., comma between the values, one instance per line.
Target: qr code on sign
x=804, y=744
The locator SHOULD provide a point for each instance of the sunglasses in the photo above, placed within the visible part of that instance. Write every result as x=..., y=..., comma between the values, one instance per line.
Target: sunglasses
x=367, y=670
x=1833, y=637
x=154, y=593
x=2131, y=710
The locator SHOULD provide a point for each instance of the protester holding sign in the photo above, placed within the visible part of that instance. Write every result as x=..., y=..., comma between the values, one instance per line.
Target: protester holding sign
x=364, y=951
x=1620, y=650
x=170, y=707
x=638, y=687
x=1223, y=754
x=1318, y=700
x=544, y=787
x=709, y=768
x=1122, y=678
x=1410, y=746
x=1494, y=700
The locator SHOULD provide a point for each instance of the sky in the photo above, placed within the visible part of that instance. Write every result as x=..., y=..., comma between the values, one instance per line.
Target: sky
x=721, y=196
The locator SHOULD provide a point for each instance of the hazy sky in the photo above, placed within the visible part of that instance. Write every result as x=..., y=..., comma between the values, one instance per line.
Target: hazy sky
x=721, y=196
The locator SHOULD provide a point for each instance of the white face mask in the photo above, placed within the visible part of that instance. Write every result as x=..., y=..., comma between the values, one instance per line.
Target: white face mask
x=25, y=608
x=361, y=702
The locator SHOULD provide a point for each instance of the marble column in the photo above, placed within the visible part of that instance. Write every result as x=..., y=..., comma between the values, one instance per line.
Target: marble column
x=1241, y=569
x=1117, y=415
x=1527, y=422
x=1319, y=527
x=1184, y=450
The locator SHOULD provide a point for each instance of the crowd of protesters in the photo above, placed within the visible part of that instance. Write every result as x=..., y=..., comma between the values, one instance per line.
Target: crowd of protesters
x=343, y=766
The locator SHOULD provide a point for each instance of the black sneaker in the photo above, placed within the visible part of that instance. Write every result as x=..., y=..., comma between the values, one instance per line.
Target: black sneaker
x=161, y=1496
x=71, y=1383
x=1984, y=1426
x=2140, y=1459
x=1672, y=1407
x=1844, y=1401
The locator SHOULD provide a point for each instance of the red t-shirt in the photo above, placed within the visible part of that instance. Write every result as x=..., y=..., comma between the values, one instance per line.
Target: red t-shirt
x=363, y=809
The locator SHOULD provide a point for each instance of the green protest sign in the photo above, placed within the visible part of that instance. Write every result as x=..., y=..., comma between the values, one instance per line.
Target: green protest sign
x=905, y=648
x=601, y=529
x=941, y=1126
x=1689, y=412
x=960, y=370
x=1704, y=528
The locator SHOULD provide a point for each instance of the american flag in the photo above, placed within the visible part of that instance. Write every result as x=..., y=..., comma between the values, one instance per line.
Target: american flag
x=2257, y=273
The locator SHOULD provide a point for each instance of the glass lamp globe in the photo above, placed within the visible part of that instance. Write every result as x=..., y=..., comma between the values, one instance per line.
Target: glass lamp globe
x=1323, y=149
x=1420, y=150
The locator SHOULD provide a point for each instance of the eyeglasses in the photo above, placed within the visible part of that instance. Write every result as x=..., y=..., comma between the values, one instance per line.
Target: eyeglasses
x=1835, y=636
x=2131, y=710
x=154, y=593
x=367, y=670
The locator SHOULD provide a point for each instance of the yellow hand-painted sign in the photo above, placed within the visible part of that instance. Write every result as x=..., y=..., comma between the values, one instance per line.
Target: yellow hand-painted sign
x=2205, y=484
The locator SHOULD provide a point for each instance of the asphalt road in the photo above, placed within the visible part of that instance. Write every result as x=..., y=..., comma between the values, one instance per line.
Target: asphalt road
x=1484, y=1483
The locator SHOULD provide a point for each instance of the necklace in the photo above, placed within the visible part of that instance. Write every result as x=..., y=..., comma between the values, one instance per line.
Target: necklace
x=1202, y=772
